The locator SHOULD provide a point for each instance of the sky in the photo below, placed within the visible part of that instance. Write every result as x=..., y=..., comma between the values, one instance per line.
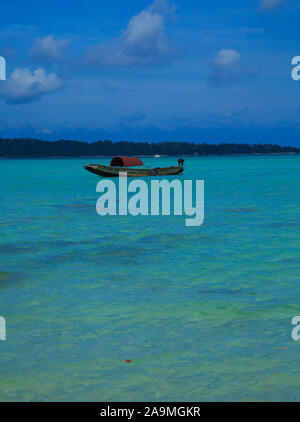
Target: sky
x=184, y=70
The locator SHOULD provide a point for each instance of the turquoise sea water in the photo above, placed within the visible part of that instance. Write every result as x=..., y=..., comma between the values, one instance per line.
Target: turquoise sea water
x=202, y=312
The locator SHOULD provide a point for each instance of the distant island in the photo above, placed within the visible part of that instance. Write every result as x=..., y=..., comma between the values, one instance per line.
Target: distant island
x=34, y=148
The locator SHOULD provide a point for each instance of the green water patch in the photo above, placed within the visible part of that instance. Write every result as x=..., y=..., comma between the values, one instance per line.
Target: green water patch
x=112, y=255
x=4, y=276
x=76, y=206
x=8, y=279
x=242, y=210
x=293, y=260
x=165, y=238
x=15, y=249
x=282, y=224
x=179, y=240
x=59, y=252
x=57, y=259
x=64, y=243
x=223, y=291
x=233, y=294
x=36, y=247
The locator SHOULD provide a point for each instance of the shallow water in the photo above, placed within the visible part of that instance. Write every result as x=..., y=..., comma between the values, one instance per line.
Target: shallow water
x=202, y=312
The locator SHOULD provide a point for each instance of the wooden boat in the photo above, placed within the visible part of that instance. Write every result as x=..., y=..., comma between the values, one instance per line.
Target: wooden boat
x=122, y=164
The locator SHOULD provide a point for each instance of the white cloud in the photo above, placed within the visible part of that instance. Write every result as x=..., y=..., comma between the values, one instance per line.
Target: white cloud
x=24, y=86
x=226, y=58
x=266, y=5
x=45, y=131
x=48, y=49
x=143, y=42
x=224, y=67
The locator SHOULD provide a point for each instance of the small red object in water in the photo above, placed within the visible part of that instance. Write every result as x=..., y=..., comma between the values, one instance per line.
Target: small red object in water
x=128, y=360
x=282, y=348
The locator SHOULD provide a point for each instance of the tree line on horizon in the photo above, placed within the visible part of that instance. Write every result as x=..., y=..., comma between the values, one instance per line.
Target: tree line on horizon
x=34, y=148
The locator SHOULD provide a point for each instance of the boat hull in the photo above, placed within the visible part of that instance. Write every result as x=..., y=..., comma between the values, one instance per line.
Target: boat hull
x=109, y=171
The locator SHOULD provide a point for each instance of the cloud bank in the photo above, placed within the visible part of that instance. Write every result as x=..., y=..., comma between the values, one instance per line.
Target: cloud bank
x=266, y=5
x=48, y=50
x=24, y=86
x=143, y=42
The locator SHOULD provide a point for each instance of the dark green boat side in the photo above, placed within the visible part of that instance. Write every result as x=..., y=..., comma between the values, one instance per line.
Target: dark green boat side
x=110, y=171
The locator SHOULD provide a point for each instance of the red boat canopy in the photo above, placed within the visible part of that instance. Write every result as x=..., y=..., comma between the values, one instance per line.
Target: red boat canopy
x=126, y=162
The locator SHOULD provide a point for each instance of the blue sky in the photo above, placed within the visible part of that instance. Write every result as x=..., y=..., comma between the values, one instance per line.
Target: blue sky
x=204, y=71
